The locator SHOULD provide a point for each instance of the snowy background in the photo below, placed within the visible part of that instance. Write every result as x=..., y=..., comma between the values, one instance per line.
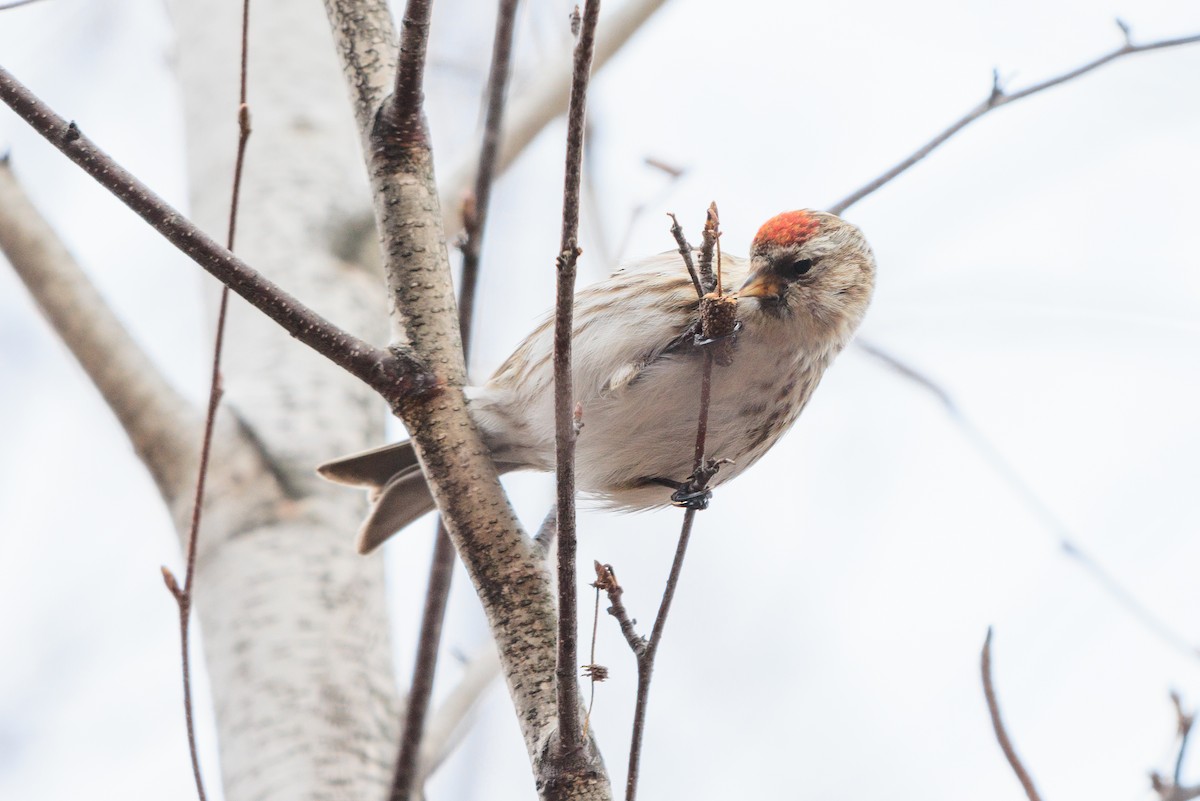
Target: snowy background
x=1042, y=267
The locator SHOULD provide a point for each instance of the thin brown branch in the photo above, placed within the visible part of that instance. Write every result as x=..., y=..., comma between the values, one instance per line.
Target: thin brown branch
x=606, y=580
x=645, y=662
x=1033, y=501
x=184, y=597
x=404, y=109
x=441, y=569
x=717, y=326
x=544, y=101
x=394, y=374
x=570, y=733
x=685, y=251
x=11, y=4
x=437, y=592
x=476, y=221
x=998, y=98
x=989, y=692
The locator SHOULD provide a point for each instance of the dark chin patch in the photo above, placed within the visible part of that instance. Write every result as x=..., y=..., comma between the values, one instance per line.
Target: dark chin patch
x=774, y=305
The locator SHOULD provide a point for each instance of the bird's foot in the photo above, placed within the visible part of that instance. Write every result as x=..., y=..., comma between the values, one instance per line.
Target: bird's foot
x=694, y=493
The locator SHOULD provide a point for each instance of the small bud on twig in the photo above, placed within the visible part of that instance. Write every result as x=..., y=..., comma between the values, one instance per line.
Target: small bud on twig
x=172, y=584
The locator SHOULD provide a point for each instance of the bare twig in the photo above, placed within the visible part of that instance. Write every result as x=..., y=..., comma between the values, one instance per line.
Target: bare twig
x=708, y=244
x=184, y=596
x=673, y=174
x=545, y=101
x=1033, y=501
x=445, y=726
x=717, y=325
x=437, y=592
x=997, y=98
x=570, y=734
x=1171, y=789
x=441, y=569
x=475, y=222
x=606, y=580
x=685, y=250
x=393, y=373
x=1183, y=726
x=989, y=692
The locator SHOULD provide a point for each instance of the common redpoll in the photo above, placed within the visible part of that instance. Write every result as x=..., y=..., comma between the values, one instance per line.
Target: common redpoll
x=637, y=369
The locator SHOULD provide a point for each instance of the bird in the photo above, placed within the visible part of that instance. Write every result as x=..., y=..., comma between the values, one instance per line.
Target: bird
x=637, y=364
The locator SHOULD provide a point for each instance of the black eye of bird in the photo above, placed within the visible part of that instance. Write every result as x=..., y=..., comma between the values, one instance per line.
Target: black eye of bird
x=797, y=268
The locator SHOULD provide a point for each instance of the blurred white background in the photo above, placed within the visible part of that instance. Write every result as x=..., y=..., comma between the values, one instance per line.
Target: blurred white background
x=1042, y=267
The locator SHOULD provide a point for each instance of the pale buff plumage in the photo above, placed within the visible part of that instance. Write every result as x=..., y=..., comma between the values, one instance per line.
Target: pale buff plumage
x=637, y=372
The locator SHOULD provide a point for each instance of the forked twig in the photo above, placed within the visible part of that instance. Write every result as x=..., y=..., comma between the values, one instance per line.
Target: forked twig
x=183, y=595
x=997, y=98
x=1170, y=789
x=989, y=692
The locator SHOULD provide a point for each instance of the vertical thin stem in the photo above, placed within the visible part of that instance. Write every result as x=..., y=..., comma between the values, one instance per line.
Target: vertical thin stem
x=437, y=593
x=570, y=733
x=184, y=597
x=645, y=661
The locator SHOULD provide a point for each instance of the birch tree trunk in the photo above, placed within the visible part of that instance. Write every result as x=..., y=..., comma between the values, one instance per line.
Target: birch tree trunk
x=295, y=633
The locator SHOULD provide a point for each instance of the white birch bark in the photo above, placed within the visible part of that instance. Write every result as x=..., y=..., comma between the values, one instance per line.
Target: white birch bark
x=295, y=633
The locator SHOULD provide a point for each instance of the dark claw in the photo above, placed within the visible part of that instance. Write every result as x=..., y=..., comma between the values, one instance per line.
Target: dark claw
x=686, y=498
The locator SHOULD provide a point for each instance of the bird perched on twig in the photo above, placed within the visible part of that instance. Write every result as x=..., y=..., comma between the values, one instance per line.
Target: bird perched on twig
x=637, y=365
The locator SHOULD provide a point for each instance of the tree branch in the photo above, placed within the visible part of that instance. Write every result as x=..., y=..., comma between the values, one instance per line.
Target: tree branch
x=366, y=44
x=502, y=561
x=570, y=730
x=989, y=692
x=1067, y=542
x=717, y=326
x=160, y=423
x=538, y=105
x=395, y=375
x=446, y=726
x=441, y=570
x=184, y=595
x=998, y=98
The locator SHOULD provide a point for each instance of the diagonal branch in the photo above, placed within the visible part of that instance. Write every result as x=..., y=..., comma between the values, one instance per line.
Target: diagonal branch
x=162, y=425
x=395, y=375
x=999, y=98
x=985, y=448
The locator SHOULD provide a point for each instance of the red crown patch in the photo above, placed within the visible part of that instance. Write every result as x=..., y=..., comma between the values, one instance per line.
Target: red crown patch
x=789, y=228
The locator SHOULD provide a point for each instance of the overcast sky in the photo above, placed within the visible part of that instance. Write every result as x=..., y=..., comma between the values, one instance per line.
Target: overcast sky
x=1042, y=268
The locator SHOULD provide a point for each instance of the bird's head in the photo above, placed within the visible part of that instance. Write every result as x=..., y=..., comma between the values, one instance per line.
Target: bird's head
x=812, y=268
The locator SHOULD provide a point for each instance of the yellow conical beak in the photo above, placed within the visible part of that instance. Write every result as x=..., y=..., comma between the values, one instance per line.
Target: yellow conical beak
x=763, y=284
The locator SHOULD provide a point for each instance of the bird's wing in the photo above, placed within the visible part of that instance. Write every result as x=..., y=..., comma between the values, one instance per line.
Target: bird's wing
x=653, y=326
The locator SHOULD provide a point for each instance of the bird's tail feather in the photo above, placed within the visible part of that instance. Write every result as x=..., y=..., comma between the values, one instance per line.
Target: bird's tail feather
x=395, y=485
